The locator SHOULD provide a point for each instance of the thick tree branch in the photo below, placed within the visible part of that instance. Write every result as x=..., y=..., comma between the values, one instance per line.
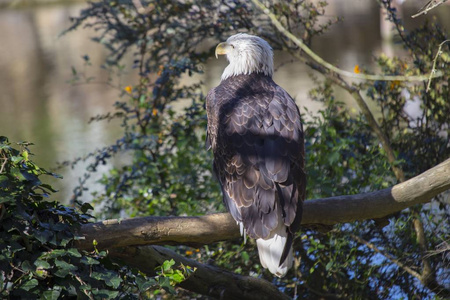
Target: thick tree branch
x=206, y=280
x=212, y=228
x=191, y=231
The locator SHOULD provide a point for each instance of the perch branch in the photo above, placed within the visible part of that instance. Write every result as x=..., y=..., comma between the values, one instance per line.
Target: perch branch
x=208, y=229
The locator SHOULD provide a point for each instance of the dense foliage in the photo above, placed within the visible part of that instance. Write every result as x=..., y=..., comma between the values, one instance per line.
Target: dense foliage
x=170, y=170
x=38, y=254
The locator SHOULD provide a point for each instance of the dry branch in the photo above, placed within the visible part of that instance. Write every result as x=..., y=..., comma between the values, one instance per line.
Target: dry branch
x=427, y=7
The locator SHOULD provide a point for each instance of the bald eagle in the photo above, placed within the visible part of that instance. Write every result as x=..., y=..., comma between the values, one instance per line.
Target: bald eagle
x=256, y=135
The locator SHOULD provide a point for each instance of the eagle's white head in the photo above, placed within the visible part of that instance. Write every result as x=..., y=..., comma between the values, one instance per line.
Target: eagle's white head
x=246, y=54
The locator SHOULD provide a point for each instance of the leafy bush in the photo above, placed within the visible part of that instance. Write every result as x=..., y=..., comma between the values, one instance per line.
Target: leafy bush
x=38, y=255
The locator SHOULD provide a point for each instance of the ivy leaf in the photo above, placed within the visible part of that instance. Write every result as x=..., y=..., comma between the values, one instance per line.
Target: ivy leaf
x=29, y=284
x=64, y=268
x=42, y=264
x=144, y=285
x=26, y=266
x=50, y=295
x=89, y=261
x=74, y=252
x=104, y=294
x=110, y=278
x=43, y=236
x=164, y=282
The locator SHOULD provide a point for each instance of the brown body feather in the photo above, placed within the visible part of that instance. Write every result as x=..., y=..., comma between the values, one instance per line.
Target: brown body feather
x=256, y=135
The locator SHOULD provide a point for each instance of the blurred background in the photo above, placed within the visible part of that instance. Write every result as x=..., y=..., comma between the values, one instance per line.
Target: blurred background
x=39, y=104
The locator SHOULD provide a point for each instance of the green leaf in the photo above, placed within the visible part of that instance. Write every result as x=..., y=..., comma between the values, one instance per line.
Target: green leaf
x=55, y=254
x=29, y=284
x=165, y=283
x=32, y=178
x=85, y=207
x=50, y=295
x=26, y=266
x=110, y=278
x=89, y=261
x=42, y=264
x=48, y=187
x=167, y=265
x=43, y=236
x=73, y=252
x=333, y=158
x=16, y=159
x=144, y=285
x=64, y=268
x=178, y=276
x=245, y=256
x=6, y=199
x=104, y=294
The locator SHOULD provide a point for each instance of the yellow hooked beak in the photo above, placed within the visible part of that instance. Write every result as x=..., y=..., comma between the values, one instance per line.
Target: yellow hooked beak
x=223, y=49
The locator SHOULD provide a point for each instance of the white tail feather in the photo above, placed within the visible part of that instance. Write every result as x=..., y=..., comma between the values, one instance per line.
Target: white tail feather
x=271, y=249
x=243, y=232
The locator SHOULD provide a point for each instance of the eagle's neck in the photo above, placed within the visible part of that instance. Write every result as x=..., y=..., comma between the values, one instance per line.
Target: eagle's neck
x=247, y=63
x=245, y=80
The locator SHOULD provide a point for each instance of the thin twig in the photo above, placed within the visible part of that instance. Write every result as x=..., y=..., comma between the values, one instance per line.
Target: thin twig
x=82, y=283
x=427, y=7
x=388, y=256
x=3, y=165
x=433, y=70
x=443, y=248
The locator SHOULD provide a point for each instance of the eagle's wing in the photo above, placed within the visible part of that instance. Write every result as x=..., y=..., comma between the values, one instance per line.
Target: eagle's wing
x=257, y=139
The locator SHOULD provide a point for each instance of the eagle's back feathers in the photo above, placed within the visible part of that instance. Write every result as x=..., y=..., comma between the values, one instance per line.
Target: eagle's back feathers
x=256, y=135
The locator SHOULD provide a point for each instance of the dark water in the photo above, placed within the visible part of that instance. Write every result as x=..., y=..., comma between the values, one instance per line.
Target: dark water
x=38, y=104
